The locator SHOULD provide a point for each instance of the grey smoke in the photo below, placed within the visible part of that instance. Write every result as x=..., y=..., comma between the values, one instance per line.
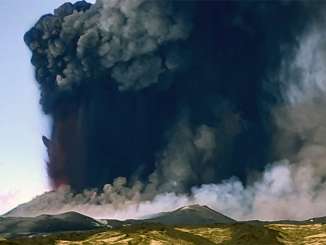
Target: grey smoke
x=139, y=73
x=191, y=152
x=125, y=36
x=283, y=192
x=186, y=152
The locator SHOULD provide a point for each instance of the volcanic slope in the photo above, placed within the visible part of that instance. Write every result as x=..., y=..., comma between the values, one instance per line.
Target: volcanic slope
x=197, y=225
x=71, y=221
x=155, y=234
x=191, y=215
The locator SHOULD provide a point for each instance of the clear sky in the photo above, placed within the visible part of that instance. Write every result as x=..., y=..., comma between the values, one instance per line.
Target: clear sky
x=22, y=154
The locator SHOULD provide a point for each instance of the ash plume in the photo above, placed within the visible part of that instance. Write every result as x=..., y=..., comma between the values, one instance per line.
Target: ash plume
x=130, y=42
x=85, y=56
x=160, y=104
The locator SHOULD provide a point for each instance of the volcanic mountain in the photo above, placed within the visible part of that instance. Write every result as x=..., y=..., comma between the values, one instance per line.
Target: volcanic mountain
x=71, y=221
x=192, y=224
x=191, y=215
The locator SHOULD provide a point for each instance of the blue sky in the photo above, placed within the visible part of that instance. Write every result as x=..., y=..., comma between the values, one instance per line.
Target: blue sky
x=22, y=154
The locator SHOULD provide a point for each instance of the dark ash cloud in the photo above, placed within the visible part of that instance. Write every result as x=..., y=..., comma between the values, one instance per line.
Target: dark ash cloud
x=171, y=95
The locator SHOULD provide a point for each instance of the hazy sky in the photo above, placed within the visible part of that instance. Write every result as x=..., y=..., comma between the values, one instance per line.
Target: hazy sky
x=22, y=154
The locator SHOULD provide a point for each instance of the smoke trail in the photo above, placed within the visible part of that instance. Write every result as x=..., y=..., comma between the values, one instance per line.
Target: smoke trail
x=246, y=95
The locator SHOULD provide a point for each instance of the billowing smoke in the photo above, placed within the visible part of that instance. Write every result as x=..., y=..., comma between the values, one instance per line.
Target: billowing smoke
x=179, y=102
x=282, y=192
x=86, y=58
x=129, y=42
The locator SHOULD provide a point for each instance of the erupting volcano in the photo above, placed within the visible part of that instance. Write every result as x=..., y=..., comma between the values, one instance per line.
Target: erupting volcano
x=191, y=101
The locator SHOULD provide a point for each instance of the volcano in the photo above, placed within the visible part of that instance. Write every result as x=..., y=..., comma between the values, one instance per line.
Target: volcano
x=191, y=215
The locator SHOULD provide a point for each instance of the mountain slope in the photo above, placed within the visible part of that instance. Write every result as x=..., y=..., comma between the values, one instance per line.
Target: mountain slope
x=70, y=221
x=191, y=215
x=155, y=234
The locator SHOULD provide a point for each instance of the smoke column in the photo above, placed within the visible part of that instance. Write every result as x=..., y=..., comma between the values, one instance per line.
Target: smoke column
x=159, y=104
x=104, y=71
